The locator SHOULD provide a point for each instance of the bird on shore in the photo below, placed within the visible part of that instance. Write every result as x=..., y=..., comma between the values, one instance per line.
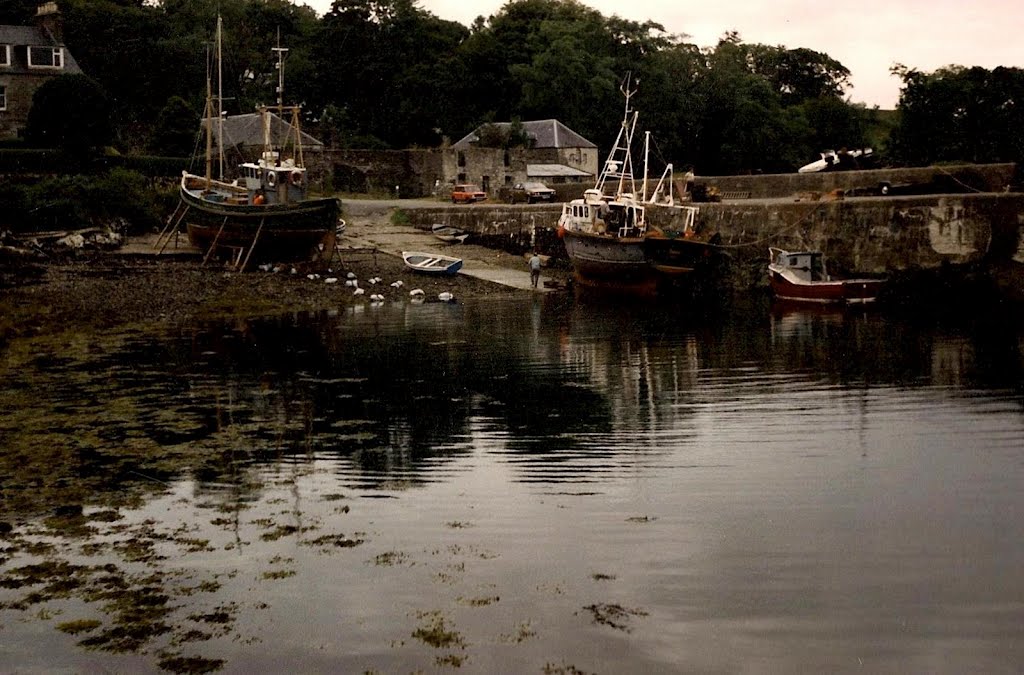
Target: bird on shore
x=416, y=293
x=446, y=297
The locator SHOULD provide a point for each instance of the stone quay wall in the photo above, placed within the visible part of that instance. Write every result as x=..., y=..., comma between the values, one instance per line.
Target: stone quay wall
x=893, y=236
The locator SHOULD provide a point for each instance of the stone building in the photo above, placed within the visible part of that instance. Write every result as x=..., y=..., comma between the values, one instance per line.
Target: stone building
x=555, y=154
x=29, y=56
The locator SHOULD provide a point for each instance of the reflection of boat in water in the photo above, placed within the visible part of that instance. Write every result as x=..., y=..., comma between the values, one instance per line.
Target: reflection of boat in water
x=449, y=234
x=610, y=239
x=264, y=212
x=802, y=277
x=431, y=263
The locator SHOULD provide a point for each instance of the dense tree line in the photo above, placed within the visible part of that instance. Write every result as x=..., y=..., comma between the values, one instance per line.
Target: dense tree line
x=387, y=74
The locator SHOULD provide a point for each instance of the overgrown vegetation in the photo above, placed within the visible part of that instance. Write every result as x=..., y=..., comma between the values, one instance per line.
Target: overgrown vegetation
x=118, y=198
x=388, y=74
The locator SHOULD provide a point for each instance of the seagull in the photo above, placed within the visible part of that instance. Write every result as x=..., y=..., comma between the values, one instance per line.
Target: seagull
x=331, y=280
x=446, y=297
x=398, y=284
x=358, y=291
x=377, y=297
x=416, y=292
x=351, y=275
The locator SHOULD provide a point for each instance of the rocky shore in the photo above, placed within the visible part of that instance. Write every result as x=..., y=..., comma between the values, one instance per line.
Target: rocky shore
x=101, y=289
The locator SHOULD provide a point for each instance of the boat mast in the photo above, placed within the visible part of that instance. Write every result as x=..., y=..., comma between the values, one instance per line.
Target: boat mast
x=620, y=160
x=220, y=101
x=647, y=146
x=281, y=51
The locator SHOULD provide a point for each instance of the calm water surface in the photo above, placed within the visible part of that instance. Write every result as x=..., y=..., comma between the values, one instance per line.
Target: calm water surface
x=517, y=486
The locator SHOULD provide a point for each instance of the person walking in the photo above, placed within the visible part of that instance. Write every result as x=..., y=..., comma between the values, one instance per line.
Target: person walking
x=534, y=269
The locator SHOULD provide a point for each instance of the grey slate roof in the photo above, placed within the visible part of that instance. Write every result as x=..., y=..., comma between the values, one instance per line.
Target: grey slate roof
x=550, y=170
x=247, y=131
x=545, y=133
x=32, y=36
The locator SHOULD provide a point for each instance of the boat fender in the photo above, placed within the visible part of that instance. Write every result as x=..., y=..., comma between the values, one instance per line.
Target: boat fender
x=271, y=178
x=296, y=178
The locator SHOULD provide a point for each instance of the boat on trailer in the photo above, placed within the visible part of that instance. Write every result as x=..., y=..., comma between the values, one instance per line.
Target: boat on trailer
x=803, y=277
x=431, y=263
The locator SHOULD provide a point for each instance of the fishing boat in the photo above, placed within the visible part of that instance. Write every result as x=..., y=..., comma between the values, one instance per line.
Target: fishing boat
x=449, y=233
x=609, y=235
x=802, y=276
x=265, y=212
x=431, y=263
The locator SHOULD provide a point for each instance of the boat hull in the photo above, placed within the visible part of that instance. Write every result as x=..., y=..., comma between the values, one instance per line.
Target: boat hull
x=285, y=231
x=436, y=265
x=841, y=292
x=636, y=264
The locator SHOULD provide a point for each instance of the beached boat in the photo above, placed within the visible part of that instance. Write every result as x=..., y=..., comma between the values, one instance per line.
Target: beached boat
x=431, y=263
x=265, y=212
x=608, y=234
x=802, y=276
x=449, y=234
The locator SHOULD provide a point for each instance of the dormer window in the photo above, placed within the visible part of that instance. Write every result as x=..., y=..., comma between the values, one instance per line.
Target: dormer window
x=5, y=55
x=45, y=57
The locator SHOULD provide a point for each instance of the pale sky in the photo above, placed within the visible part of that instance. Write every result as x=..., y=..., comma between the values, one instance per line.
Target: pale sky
x=866, y=36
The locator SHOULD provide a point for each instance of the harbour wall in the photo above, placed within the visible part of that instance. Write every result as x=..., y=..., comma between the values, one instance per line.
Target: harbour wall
x=889, y=236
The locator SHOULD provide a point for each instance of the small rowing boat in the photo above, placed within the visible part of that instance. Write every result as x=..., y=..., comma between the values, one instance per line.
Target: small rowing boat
x=449, y=234
x=431, y=263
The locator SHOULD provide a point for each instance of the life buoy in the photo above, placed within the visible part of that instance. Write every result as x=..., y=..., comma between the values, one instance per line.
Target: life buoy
x=296, y=177
x=271, y=178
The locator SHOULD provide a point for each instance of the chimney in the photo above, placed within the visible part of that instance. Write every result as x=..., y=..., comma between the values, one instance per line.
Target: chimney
x=49, y=20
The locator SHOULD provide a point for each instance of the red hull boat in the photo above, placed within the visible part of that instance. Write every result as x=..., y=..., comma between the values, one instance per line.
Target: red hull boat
x=802, y=276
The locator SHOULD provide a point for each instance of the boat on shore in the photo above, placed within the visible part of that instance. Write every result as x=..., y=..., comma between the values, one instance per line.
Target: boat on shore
x=803, y=277
x=449, y=233
x=610, y=239
x=264, y=213
x=431, y=263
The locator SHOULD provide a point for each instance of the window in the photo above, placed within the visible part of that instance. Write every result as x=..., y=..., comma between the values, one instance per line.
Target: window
x=5, y=55
x=45, y=57
x=462, y=158
x=3, y=97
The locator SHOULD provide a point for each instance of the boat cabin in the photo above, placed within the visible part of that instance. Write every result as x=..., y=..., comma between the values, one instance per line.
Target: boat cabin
x=805, y=265
x=270, y=181
x=599, y=214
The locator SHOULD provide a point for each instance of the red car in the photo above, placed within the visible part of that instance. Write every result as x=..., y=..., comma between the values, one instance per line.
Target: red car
x=467, y=193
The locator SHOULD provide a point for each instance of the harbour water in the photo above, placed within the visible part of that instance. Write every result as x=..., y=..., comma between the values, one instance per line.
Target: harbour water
x=523, y=485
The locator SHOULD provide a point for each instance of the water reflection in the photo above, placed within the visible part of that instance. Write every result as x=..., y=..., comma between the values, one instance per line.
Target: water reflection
x=732, y=472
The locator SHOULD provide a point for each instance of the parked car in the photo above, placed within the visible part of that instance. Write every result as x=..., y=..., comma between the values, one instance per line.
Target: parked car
x=532, y=192
x=467, y=193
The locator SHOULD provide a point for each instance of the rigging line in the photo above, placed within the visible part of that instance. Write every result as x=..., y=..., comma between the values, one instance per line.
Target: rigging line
x=972, y=189
x=788, y=228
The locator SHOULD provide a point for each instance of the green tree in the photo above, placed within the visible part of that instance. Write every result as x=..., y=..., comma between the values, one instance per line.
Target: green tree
x=959, y=114
x=70, y=112
x=176, y=131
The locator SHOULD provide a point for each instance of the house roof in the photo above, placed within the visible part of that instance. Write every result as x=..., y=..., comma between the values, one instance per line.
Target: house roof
x=544, y=133
x=32, y=36
x=247, y=131
x=549, y=170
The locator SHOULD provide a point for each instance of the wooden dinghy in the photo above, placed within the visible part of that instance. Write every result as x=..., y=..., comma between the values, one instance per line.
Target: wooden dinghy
x=431, y=263
x=449, y=234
